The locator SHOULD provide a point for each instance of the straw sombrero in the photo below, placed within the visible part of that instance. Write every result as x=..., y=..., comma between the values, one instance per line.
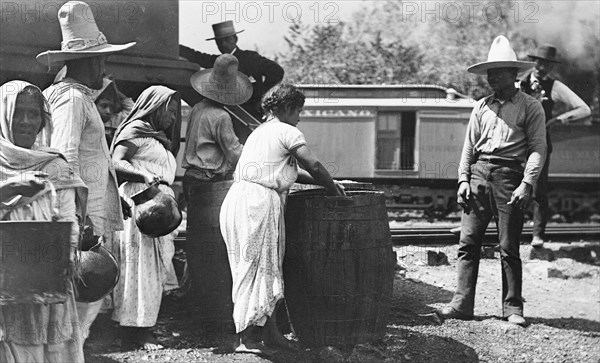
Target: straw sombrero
x=223, y=83
x=81, y=37
x=501, y=55
x=223, y=30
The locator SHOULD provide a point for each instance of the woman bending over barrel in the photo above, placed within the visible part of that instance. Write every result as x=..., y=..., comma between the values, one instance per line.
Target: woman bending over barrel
x=28, y=169
x=251, y=217
x=144, y=149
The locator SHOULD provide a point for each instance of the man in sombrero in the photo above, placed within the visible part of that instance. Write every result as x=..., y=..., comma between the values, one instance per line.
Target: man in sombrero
x=78, y=130
x=212, y=148
x=539, y=84
x=212, y=151
x=502, y=157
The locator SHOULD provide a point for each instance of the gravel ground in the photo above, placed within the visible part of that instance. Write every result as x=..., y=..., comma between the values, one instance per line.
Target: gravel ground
x=563, y=316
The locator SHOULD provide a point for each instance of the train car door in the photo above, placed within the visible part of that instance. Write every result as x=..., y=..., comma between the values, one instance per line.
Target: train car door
x=396, y=143
x=441, y=136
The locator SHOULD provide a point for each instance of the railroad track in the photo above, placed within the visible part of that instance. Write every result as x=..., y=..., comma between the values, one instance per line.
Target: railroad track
x=572, y=232
x=555, y=233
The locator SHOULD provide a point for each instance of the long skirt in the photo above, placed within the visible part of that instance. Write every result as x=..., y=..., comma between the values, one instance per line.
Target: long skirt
x=252, y=226
x=70, y=351
x=146, y=269
x=43, y=333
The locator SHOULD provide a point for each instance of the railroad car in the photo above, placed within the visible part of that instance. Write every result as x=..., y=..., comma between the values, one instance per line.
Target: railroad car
x=407, y=140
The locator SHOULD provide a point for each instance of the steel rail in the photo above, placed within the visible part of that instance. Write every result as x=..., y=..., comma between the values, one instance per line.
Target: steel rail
x=426, y=235
x=436, y=235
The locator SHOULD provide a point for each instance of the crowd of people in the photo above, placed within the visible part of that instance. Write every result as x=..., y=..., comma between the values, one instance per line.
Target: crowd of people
x=80, y=150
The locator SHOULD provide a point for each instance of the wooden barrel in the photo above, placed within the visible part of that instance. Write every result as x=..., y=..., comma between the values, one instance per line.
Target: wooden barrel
x=349, y=185
x=338, y=267
x=207, y=260
x=35, y=262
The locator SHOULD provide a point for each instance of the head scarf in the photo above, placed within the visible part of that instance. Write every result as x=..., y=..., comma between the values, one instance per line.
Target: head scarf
x=15, y=160
x=143, y=120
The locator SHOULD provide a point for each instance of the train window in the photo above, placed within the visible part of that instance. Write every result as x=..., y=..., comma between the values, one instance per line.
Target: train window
x=396, y=140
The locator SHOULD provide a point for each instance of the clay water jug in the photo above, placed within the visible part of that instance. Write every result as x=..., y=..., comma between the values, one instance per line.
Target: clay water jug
x=156, y=213
x=96, y=274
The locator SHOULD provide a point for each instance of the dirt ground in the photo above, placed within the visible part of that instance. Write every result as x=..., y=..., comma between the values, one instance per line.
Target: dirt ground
x=563, y=314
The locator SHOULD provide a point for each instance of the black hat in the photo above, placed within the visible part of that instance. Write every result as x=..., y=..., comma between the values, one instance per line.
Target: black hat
x=545, y=52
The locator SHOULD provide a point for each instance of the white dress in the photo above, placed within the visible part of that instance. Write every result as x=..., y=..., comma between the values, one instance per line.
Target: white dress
x=146, y=263
x=252, y=224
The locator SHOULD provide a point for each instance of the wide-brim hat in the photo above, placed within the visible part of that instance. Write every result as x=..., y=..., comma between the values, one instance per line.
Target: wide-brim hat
x=81, y=36
x=501, y=55
x=223, y=30
x=545, y=52
x=223, y=83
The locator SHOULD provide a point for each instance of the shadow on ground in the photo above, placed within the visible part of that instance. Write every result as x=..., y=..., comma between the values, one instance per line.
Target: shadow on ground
x=414, y=298
x=182, y=334
x=582, y=325
x=412, y=306
x=96, y=358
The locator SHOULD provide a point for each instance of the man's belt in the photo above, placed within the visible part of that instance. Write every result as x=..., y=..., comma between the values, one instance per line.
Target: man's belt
x=201, y=176
x=496, y=160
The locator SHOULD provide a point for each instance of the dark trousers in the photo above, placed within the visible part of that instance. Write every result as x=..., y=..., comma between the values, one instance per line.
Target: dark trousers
x=190, y=181
x=541, y=209
x=492, y=185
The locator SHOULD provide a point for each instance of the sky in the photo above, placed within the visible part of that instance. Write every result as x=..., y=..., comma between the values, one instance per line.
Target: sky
x=265, y=22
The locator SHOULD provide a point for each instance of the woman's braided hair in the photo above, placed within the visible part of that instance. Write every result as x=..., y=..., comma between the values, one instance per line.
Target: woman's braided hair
x=281, y=98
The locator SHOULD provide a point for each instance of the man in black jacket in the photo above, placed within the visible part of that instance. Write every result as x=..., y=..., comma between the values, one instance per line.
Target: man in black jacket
x=262, y=72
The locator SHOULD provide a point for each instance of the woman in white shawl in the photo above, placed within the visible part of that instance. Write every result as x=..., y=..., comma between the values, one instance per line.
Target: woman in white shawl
x=251, y=216
x=27, y=166
x=144, y=149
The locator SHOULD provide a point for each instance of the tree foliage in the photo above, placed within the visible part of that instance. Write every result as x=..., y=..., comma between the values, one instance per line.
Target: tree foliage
x=325, y=54
x=387, y=46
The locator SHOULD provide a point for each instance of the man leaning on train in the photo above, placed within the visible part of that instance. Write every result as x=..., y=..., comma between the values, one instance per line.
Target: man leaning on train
x=549, y=91
x=262, y=72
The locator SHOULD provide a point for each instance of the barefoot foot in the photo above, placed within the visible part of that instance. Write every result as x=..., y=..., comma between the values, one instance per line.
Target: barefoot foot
x=147, y=341
x=254, y=348
x=275, y=339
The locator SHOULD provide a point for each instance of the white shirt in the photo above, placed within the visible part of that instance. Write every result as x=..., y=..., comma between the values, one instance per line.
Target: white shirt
x=78, y=133
x=152, y=157
x=267, y=156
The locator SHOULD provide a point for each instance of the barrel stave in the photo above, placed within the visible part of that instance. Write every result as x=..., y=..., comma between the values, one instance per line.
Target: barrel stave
x=338, y=271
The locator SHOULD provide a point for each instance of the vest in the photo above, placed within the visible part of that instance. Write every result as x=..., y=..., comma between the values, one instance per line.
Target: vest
x=547, y=101
x=546, y=98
